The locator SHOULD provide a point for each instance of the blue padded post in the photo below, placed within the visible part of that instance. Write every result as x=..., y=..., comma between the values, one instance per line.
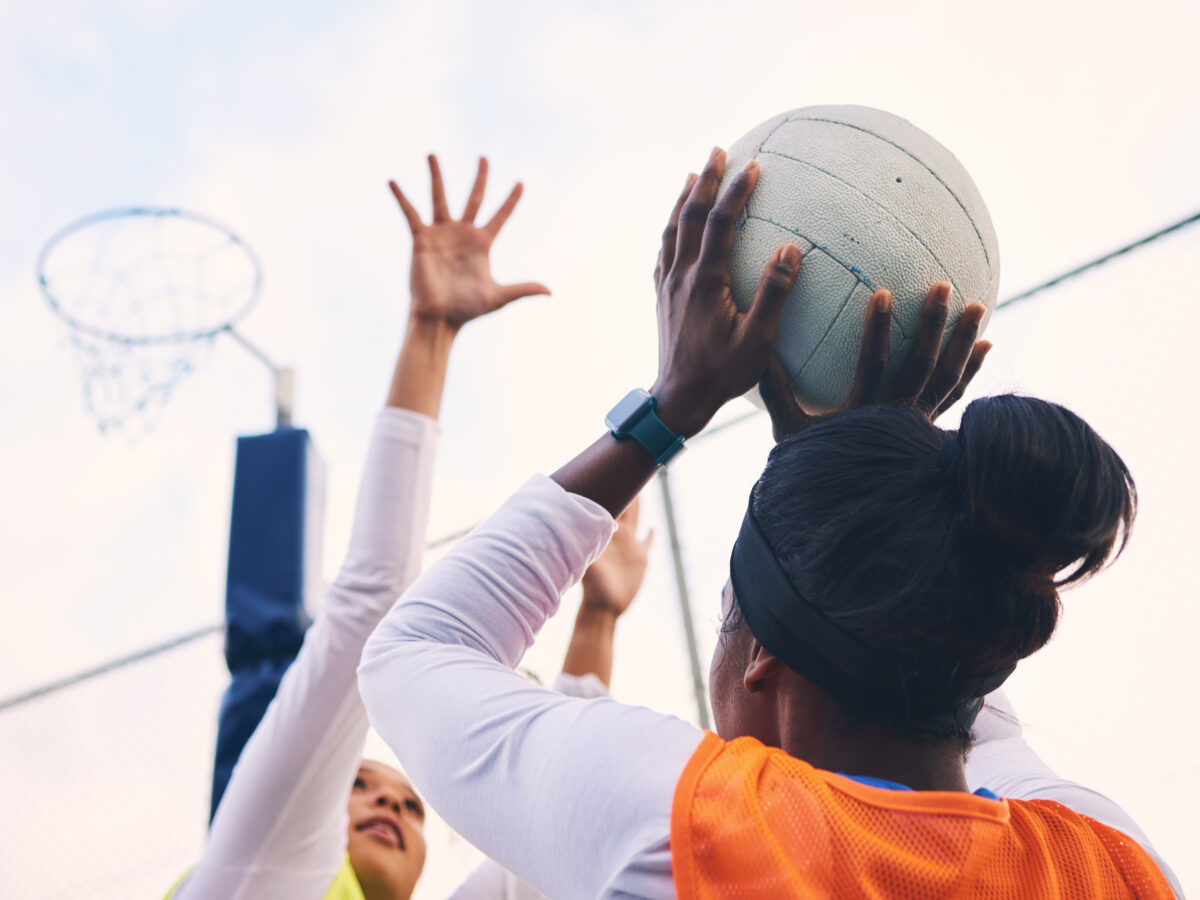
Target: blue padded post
x=274, y=565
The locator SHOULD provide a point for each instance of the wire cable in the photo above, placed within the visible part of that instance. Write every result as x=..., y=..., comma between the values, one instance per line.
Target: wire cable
x=1099, y=261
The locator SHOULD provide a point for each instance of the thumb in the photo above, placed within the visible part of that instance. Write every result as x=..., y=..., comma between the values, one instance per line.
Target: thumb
x=787, y=416
x=511, y=292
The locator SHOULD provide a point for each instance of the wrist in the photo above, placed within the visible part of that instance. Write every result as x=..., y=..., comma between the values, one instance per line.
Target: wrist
x=420, y=374
x=595, y=611
x=686, y=412
x=435, y=331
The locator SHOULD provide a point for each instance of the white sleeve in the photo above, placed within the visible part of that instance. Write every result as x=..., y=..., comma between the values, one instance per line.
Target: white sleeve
x=571, y=795
x=280, y=830
x=588, y=686
x=1001, y=761
x=490, y=880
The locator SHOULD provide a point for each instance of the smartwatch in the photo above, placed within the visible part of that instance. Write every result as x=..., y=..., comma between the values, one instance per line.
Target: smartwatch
x=634, y=417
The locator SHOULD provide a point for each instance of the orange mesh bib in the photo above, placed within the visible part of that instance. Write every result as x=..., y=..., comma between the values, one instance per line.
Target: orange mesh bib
x=750, y=821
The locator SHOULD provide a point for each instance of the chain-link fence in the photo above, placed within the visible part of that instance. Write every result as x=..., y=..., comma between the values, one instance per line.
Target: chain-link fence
x=105, y=782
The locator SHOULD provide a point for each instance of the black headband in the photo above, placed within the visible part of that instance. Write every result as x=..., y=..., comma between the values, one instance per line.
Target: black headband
x=864, y=680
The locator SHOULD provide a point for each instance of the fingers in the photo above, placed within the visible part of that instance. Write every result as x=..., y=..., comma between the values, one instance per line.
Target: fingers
x=927, y=342
x=974, y=362
x=497, y=221
x=666, y=254
x=787, y=417
x=410, y=212
x=441, y=212
x=761, y=320
x=953, y=361
x=476, y=199
x=874, y=351
x=629, y=518
x=694, y=216
x=717, y=242
x=511, y=292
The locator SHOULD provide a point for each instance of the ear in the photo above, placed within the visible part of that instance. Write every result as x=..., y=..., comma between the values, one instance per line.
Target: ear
x=761, y=670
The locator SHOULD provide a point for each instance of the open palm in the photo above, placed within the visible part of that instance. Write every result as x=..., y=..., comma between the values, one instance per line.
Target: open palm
x=451, y=278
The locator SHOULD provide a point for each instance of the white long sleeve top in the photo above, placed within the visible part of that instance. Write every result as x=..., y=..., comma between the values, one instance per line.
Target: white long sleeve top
x=573, y=796
x=280, y=830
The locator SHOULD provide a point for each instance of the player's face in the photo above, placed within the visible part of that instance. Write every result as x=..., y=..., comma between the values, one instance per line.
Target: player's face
x=386, y=839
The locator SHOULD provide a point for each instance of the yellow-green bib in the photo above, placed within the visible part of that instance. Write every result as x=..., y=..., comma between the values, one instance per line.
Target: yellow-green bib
x=344, y=887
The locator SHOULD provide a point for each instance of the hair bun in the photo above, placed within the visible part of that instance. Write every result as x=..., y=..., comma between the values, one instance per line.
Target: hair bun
x=1044, y=488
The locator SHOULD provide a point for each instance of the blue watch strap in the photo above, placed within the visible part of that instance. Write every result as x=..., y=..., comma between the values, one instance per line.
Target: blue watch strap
x=652, y=433
x=635, y=417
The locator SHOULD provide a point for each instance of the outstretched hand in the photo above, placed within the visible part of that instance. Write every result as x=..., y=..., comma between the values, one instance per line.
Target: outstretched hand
x=613, y=580
x=925, y=381
x=451, y=278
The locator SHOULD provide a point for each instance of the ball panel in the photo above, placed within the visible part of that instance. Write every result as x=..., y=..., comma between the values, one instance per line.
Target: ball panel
x=811, y=311
x=898, y=184
x=745, y=148
x=850, y=227
x=932, y=154
x=827, y=376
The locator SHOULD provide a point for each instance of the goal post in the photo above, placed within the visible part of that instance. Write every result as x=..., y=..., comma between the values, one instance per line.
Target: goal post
x=273, y=580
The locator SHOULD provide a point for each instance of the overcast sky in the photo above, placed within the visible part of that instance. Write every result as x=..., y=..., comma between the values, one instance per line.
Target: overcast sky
x=1076, y=120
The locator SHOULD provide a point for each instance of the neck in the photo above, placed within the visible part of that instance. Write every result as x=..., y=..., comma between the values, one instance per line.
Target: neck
x=918, y=765
x=378, y=890
x=813, y=727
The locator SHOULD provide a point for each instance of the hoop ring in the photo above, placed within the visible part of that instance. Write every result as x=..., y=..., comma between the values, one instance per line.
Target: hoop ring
x=155, y=212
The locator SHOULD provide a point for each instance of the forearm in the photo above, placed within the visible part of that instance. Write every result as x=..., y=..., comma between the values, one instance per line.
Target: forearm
x=590, y=651
x=609, y=472
x=419, y=377
x=612, y=472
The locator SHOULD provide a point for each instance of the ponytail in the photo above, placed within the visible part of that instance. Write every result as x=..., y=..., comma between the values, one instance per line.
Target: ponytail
x=1045, y=502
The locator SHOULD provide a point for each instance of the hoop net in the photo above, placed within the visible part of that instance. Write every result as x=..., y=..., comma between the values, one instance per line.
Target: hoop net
x=144, y=292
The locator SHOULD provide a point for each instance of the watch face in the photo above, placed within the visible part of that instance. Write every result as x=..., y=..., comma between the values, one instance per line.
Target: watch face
x=629, y=410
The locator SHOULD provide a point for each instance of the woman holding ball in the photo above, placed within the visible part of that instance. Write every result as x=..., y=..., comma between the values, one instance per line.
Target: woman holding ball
x=889, y=576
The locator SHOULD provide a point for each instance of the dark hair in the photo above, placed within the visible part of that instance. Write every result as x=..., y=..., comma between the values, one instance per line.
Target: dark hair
x=945, y=549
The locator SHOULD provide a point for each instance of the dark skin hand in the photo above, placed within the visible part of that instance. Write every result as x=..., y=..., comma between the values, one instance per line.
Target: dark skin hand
x=710, y=352
x=931, y=384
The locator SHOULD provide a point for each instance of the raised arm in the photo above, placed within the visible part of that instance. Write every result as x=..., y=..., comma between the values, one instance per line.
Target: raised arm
x=281, y=827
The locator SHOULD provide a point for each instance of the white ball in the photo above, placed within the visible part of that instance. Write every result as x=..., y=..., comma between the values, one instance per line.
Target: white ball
x=874, y=202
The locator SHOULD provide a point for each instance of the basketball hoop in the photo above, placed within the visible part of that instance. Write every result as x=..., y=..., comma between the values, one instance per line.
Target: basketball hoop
x=145, y=291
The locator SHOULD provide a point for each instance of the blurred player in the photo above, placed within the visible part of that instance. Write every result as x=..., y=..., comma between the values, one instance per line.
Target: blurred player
x=284, y=828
